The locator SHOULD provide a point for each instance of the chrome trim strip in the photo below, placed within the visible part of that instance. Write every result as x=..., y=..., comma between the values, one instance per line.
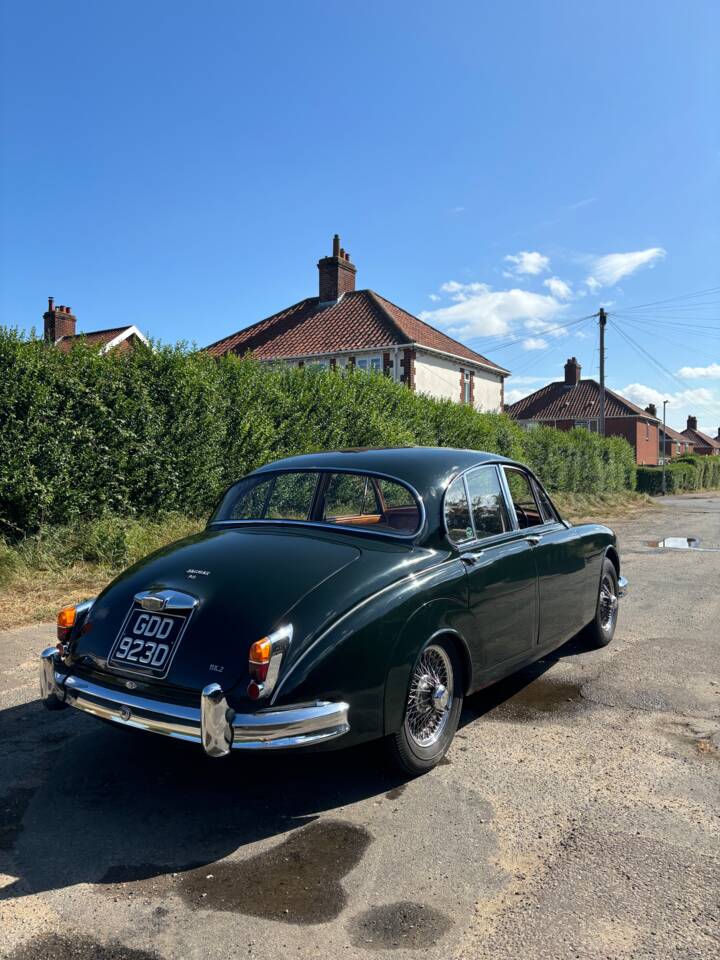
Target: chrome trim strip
x=213, y=725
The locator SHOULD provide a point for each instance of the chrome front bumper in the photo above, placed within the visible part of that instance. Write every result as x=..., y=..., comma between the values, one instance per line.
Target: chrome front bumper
x=213, y=723
x=622, y=587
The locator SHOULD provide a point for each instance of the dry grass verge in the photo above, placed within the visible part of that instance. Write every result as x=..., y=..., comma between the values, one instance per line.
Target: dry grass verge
x=602, y=507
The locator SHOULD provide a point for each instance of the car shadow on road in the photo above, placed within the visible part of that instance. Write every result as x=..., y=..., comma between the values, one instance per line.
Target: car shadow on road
x=92, y=804
x=532, y=692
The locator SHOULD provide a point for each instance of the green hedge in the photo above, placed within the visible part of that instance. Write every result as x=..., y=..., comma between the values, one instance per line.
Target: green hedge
x=686, y=473
x=84, y=435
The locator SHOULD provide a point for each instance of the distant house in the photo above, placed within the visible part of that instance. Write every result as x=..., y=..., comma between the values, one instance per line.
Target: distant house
x=59, y=325
x=705, y=446
x=672, y=443
x=575, y=402
x=342, y=326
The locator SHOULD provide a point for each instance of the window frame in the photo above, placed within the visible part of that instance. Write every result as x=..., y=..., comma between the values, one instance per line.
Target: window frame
x=323, y=477
x=515, y=527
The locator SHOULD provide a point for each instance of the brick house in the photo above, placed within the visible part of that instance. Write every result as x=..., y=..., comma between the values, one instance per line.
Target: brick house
x=342, y=326
x=705, y=446
x=674, y=443
x=575, y=402
x=59, y=325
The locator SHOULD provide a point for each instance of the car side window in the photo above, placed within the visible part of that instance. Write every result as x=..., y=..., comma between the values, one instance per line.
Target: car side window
x=526, y=506
x=350, y=495
x=545, y=505
x=487, y=502
x=457, y=512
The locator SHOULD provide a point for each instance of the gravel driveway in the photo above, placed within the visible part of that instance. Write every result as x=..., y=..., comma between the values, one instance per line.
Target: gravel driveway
x=577, y=813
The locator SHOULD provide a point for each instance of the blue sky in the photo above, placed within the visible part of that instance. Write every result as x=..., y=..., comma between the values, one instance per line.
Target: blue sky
x=500, y=169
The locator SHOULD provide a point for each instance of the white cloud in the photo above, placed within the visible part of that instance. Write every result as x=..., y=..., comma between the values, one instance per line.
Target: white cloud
x=534, y=343
x=700, y=402
x=434, y=297
x=606, y=271
x=528, y=262
x=480, y=311
x=711, y=372
x=558, y=288
x=542, y=326
x=512, y=396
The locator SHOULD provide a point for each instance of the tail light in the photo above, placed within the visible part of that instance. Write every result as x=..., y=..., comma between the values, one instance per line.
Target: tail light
x=266, y=656
x=68, y=619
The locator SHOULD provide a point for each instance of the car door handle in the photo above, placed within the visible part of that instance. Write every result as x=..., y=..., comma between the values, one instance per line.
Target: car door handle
x=534, y=539
x=471, y=558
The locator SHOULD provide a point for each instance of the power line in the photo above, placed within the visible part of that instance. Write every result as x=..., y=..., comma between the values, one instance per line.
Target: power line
x=684, y=296
x=656, y=363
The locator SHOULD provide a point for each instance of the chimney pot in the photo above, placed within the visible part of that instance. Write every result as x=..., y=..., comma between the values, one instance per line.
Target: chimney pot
x=58, y=321
x=572, y=372
x=651, y=409
x=337, y=274
x=692, y=423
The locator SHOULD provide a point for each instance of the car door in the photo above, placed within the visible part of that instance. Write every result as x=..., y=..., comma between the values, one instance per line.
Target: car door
x=500, y=568
x=560, y=559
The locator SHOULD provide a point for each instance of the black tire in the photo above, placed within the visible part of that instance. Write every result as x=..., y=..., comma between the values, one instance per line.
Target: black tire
x=407, y=751
x=601, y=629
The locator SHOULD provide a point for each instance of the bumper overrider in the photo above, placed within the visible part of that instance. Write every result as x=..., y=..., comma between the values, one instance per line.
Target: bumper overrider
x=213, y=723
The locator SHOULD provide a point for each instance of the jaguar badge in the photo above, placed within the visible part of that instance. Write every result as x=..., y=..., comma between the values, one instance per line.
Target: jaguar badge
x=125, y=713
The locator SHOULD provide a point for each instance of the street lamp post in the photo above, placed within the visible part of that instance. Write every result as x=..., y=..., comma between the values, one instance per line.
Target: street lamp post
x=664, y=448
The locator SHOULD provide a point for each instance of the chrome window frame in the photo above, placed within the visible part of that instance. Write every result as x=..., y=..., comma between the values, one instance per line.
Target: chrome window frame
x=515, y=527
x=319, y=524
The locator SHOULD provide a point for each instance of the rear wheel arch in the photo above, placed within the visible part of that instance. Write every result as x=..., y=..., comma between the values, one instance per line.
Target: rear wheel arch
x=430, y=622
x=614, y=557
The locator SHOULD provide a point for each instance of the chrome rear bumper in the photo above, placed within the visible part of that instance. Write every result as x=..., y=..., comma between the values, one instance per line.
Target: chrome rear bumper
x=213, y=723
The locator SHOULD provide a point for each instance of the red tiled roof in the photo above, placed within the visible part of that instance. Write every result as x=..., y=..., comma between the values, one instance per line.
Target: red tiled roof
x=93, y=338
x=360, y=320
x=558, y=401
x=701, y=439
x=674, y=435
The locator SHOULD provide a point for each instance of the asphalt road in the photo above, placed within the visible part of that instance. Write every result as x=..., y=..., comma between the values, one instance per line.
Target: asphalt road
x=577, y=814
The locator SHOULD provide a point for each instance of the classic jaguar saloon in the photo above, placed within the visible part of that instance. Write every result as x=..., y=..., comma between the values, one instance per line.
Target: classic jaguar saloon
x=340, y=597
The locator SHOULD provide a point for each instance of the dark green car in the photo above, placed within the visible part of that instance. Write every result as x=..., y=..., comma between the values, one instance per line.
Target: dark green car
x=340, y=597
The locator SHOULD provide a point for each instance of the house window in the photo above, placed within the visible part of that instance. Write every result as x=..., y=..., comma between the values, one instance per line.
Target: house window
x=318, y=364
x=467, y=392
x=587, y=425
x=369, y=364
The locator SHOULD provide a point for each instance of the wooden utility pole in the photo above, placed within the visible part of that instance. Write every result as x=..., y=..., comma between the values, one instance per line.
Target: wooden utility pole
x=602, y=317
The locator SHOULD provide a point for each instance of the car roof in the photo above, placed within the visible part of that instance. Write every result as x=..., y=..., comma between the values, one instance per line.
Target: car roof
x=425, y=468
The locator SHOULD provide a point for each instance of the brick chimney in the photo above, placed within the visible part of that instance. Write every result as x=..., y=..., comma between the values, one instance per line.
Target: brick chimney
x=59, y=322
x=572, y=372
x=337, y=274
x=692, y=423
x=651, y=409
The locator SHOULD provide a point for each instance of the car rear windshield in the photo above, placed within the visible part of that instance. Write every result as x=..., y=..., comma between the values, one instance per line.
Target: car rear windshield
x=345, y=499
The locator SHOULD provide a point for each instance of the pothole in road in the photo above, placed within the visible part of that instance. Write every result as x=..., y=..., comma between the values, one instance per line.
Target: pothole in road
x=681, y=543
x=297, y=881
x=54, y=946
x=403, y=925
x=541, y=697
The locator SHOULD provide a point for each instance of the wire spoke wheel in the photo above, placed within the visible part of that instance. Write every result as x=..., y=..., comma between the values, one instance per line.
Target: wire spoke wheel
x=608, y=603
x=430, y=697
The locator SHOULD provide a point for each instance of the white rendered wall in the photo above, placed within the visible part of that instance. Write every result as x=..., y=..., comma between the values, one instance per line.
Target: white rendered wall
x=440, y=377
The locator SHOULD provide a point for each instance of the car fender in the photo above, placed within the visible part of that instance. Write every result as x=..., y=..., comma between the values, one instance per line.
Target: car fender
x=442, y=616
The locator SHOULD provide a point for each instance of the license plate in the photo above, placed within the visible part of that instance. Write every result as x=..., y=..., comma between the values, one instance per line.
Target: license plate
x=148, y=641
